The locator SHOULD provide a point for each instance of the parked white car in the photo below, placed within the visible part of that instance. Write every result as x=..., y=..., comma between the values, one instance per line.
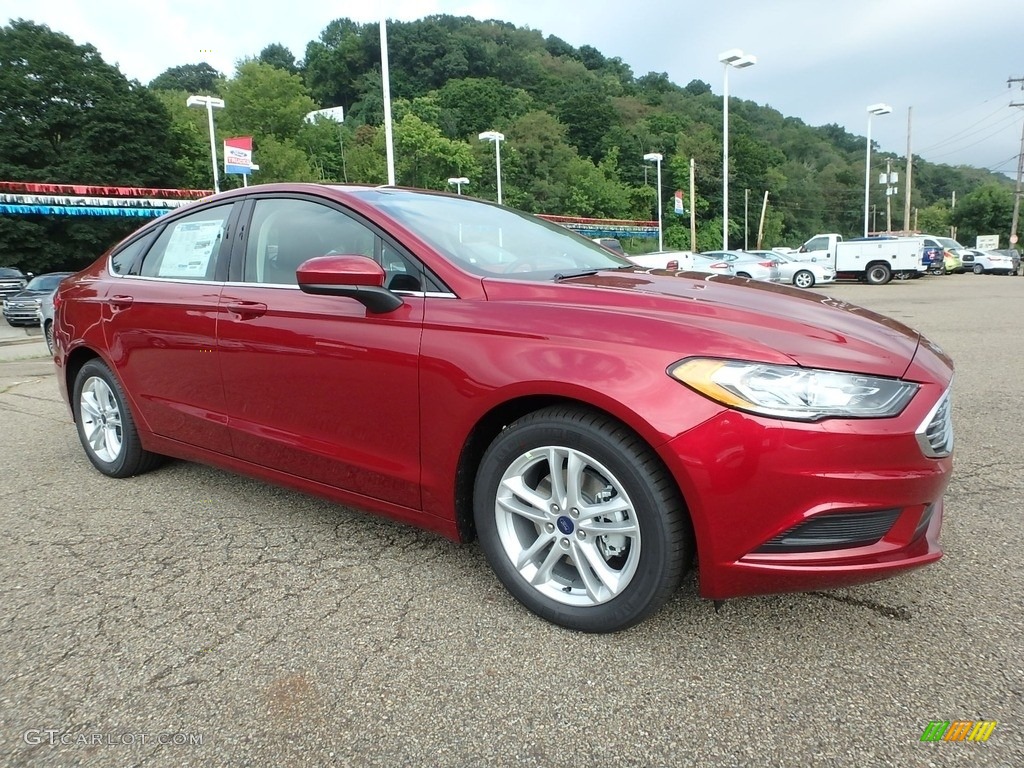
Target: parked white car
x=684, y=261
x=750, y=265
x=803, y=274
x=986, y=262
x=674, y=260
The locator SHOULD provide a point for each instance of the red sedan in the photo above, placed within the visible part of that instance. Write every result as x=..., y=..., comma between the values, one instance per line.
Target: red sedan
x=480, y=372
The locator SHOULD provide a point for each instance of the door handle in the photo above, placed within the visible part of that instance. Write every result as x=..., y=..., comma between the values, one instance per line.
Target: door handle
x=247, y=309
x=120, y=302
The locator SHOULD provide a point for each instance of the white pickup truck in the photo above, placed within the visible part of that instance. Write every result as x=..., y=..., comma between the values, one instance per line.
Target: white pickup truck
x=873, y=260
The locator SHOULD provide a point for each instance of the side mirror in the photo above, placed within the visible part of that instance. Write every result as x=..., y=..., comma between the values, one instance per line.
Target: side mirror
x=356, y=277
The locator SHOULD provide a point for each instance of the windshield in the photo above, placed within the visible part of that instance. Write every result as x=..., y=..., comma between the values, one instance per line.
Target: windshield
x=8, y=272
x=949, y=244
x=489, y=240
x=44, y=283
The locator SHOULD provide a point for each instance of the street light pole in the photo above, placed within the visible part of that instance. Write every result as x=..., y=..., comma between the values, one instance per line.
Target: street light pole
x=497, y=138
x=656, y=157
x=874, y=109
x=740, y=60
x=209, y=102
x=458, y=182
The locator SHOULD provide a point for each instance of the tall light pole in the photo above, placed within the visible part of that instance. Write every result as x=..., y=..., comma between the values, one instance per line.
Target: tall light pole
x=210, y=102
x=657, y=158
x=740, y=60
x=497, y=138
x=874, y=109
x=458, y=182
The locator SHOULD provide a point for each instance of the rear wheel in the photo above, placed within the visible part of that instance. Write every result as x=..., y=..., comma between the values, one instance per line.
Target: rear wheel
x=105, y=425
x=804, y=279
x=878, y=274
x=48, y=335
x=580, y=520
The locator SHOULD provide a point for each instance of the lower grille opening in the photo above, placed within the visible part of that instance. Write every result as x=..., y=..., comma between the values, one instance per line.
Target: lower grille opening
x=922, y=526
x=842, y=530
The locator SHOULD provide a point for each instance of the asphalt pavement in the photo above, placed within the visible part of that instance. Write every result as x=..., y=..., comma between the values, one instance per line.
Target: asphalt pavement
x=190, y=617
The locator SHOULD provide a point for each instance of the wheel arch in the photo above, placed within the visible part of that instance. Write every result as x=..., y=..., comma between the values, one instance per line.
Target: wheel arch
x=490, y=425
x=73, y=364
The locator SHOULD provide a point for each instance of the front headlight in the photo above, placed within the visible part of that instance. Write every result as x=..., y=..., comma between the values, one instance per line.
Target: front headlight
x=791, y=392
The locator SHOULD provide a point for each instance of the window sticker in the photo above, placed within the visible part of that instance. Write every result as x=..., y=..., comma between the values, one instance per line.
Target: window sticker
x=189, y=249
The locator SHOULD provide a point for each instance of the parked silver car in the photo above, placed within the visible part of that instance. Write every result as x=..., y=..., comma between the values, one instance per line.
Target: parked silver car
x=46, y=319
x=750, y=265
x=802, y=274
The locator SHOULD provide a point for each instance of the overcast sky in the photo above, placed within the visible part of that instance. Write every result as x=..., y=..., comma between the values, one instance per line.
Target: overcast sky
x=823, y=61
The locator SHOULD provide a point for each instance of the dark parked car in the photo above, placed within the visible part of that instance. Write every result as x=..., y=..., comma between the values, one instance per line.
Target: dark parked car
x=1014, y=255
x=477, y=371
x=12, y=280
x=22, y=308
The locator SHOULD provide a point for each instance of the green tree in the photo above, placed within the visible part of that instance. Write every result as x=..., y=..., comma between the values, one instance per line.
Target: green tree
x=985, y=211
x=266, y=101
x=277, y=55
x=424, y=158
x=68, y=117
x=934, y=219
x=198, y=78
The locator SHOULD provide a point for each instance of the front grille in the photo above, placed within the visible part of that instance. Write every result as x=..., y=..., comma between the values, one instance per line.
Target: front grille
x=841, y=530
x=935, y=435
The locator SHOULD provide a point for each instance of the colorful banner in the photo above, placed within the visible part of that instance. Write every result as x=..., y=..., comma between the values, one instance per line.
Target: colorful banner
x=37, y=188
x=80, y=210
x=238, y=155
x=679, y=202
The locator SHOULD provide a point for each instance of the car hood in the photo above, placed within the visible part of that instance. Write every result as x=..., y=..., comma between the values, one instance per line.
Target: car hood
x=757, y=320
x=27, y=295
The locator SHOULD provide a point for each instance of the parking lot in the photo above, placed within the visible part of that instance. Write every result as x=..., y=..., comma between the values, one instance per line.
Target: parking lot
x=190, y=617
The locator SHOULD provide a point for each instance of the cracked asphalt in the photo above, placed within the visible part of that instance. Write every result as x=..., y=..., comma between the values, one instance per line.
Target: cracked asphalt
x=262, y=627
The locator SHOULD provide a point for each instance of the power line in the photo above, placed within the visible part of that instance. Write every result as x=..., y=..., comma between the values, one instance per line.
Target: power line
x=966, y=132
x=1000, y=125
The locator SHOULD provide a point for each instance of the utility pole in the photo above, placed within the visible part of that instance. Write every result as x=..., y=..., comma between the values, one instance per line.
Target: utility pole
x=693, y=208
x=888, y=196
x=906, y=203
x=1020, y=167
x=952, y=229
x=760, y=227
x=746, y=213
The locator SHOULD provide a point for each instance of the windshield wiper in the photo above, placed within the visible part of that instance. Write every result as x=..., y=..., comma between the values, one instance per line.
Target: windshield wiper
x=588, y=272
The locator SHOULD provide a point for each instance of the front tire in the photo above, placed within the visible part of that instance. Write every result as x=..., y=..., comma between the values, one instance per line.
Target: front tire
x=105, y=424
x=48, y=335
x=978, y=269
x=580, y=520
x=804, y=279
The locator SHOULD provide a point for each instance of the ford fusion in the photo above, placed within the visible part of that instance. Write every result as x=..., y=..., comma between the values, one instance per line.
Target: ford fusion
x=474, y=370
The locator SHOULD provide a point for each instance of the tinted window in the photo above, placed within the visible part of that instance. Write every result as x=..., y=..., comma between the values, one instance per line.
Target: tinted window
x=121, y=261
x=188, y=247
x=817, y=244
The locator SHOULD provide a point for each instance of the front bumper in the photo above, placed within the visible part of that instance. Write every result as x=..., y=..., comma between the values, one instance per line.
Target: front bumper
x=783, y=506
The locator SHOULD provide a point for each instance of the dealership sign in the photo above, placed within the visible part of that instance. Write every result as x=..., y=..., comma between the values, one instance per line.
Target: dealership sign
x=238, y=155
